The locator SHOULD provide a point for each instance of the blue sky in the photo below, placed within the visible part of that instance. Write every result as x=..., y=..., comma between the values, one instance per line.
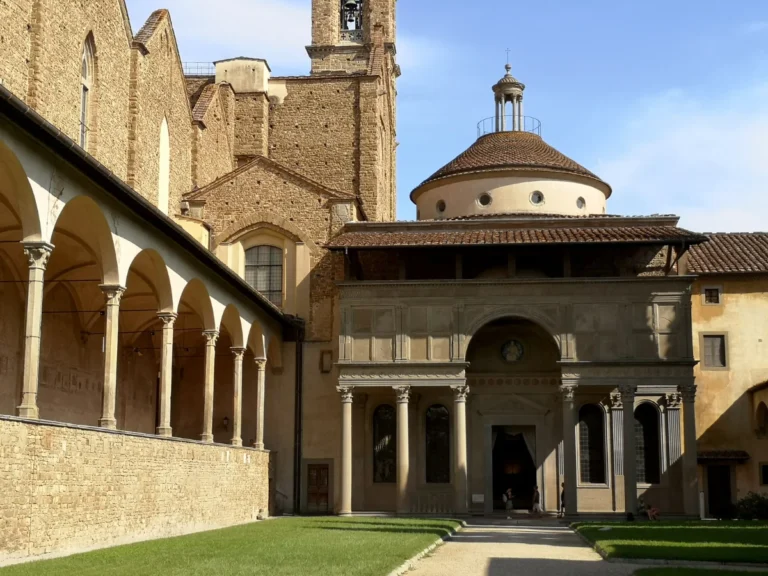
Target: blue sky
x=667, y=101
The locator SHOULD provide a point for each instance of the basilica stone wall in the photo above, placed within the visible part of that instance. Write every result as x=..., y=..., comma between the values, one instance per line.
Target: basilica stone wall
x=114, y=488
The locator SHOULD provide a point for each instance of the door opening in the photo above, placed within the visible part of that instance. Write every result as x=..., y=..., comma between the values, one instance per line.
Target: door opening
x=513, y=467
x=719, y=492
x=317, y=489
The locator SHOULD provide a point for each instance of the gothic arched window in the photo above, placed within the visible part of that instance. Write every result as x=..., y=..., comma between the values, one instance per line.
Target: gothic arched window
x=592, y=444
x=647, y=444
x=762, y=419
x=264, y=271
x=86, y=88
x=438, y=445
x=384, y=444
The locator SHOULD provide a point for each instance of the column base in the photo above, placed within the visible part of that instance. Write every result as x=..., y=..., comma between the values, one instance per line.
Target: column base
x=163, y=431
x=258, y=445
x=30, y=412
x=108, y=423
x=208, y=438
x=236, y=442
x=345, y=514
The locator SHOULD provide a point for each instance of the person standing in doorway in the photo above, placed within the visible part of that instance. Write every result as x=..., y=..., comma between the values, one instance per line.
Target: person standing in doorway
x=507, y=498
x=537, y=511
x=561, y=510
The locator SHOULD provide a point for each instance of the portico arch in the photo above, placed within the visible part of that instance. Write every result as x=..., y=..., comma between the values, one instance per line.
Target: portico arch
x=21, y=220
x=529, y=314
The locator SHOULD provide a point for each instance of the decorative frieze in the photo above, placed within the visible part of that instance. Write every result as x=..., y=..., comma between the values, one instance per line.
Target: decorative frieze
x=402, y=374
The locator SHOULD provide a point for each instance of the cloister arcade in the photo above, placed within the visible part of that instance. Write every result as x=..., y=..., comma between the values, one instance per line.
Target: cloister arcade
x=110, y=317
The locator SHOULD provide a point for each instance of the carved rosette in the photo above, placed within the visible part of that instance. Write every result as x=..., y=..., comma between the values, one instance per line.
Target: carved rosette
x=627, y=392
x=211, y=337
x=168, y=318
x=567, y=392
x=346, y=394
x=688, y=393
x=38, y=254
x=460, y=393
x=614, y=401
x=403, y=394
x=261, y=364
x=113, y=294
x=673, y=400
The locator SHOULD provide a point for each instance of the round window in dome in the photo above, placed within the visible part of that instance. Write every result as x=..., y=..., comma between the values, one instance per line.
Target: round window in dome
x=484, y=199
x=581, y=203
x=537, y=198
x=440, y=206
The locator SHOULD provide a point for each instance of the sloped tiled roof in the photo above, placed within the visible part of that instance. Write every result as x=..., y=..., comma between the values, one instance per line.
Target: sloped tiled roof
x=734, y=253
x=501, y=151
x=196, y=85
x=423, y=236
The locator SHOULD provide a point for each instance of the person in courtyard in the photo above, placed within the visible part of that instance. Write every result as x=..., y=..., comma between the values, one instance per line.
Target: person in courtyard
x=536, y=501
x=507, y=498
x=561, y=509
x=652, y=511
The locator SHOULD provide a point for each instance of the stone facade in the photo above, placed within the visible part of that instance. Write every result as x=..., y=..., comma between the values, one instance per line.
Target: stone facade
x=107, y=489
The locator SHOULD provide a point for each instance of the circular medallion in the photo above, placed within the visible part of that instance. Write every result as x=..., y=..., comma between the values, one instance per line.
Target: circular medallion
x=512, y=351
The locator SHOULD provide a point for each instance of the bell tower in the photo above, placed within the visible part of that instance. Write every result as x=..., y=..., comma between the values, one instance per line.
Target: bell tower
x=344, y=33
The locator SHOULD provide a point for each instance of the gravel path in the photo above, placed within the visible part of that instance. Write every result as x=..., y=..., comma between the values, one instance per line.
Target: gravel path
x=526, y=547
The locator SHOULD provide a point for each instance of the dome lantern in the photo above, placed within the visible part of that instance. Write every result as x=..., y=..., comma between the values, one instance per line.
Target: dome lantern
x=509, y=90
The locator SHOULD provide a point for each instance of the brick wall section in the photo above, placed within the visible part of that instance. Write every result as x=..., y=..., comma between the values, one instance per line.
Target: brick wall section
x=115, y=488
x=251, y=126
x=214, y=140
x=15, y=44
x=161, y=91
x=325, y=22
x=314, y=131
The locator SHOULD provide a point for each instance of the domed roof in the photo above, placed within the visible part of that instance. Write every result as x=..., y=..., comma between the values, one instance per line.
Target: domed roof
x=509, y=151
x=509, y=79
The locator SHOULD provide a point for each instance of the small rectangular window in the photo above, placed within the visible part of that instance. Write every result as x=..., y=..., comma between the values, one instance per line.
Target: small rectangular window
x=711, y=295
x=714, y=351
x=763, y=474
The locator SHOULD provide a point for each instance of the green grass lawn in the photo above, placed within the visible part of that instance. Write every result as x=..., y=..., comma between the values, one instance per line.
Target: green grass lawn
x=702, y=541
x=692, y=572
x=290, y=546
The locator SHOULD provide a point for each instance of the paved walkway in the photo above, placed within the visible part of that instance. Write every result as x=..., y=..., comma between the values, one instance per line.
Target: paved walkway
x=488, y=547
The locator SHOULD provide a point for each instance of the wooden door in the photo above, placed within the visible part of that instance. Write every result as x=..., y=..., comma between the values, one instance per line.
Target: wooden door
x=317, y=489
x=719, y=488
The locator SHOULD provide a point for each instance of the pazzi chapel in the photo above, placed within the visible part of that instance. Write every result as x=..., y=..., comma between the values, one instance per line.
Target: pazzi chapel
x=209, y=313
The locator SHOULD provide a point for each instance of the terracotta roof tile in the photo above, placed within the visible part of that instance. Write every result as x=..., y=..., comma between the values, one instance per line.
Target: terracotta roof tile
x=203, y=102
x=509, y=151
x=507, y=236
x=195, y=87
x=150, y=26
x=735, y=253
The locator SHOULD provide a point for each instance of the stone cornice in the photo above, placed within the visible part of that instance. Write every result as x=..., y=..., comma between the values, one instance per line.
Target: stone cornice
x=402, y=374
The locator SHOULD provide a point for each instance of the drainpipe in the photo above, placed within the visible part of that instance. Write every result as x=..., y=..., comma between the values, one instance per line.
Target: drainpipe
x=298, y=417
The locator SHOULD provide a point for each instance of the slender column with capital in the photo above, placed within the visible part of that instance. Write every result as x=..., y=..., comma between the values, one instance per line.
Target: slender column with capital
x=460, y=394
x=237, y=397
x=111, y=344
x=261, y=373
x=211, y=336
x=568, y=392
x=630, y=451
x=520, y=111
x=403, y=456
x=37, y=254
x=166, y=371
x=690, y=455
x=346, y=450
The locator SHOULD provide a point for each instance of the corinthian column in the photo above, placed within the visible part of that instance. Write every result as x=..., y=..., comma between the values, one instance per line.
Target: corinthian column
x=460, y=394
x=568, y=393
x=237, y=397
x=630, y=451
x=37, y=254
x=111, y=344
x=690, y=455
x=261, y=373
x=345, y=508
x=211, y=336
x=166, y=371
x=403, y=457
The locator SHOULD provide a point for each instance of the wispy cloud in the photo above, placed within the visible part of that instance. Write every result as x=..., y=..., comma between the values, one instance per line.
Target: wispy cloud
x=704, y=159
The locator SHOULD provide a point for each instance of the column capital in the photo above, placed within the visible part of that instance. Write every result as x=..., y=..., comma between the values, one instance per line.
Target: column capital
x=37, y=254
x=211, y=337
x=688, y=392
x=568, y=392
x=614, y=401
x=460, y=392
x=403, y=394
x=113, y=292
x=261, y=364
x=347, y=393
x=168, y=318
x=627, y=392
x=672, y=400
x=238, y=352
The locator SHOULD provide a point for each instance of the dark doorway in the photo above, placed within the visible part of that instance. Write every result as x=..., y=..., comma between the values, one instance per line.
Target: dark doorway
x=719, y=489
x=513, y=467
x=317, y=489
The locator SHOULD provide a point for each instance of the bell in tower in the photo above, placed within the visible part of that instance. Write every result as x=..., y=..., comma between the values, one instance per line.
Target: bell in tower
x=352, y=20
